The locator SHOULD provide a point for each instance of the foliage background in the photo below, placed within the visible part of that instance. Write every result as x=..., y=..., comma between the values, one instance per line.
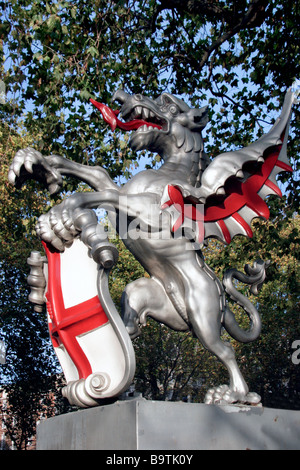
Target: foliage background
x=237, y=56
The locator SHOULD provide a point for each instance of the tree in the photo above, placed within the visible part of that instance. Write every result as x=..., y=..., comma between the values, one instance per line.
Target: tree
x=28, y=377
x=230, y=54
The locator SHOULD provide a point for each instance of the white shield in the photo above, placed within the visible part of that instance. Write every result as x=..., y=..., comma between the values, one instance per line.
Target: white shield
x=88, y=335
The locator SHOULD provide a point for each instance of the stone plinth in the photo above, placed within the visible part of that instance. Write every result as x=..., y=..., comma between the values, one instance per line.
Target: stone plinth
x=139, y=424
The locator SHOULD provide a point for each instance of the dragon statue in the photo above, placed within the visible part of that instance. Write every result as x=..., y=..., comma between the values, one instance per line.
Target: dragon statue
x=163, y=216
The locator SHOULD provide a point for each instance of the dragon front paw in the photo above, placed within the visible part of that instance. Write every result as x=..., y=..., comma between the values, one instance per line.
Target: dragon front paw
x=30, y=164
x=62, y=225
x=44, y=231
x=56, y=227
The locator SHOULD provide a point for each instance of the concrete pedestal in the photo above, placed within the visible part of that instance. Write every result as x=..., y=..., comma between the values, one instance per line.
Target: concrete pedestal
x=139, y=424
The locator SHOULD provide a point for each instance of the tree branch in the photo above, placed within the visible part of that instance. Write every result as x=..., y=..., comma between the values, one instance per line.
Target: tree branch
x=233, y=21
x=253, y=17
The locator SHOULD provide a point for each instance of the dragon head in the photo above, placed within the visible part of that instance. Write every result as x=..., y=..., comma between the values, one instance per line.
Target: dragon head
x=166, y=121
x=163, y=125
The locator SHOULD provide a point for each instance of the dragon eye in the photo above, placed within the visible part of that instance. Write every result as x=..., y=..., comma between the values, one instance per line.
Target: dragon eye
x=173, y=109
x=138, y=97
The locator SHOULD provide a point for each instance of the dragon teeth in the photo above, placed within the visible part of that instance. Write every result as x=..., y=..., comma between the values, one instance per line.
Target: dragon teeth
x=141, y=113
x=145, y=113
x=146, y=128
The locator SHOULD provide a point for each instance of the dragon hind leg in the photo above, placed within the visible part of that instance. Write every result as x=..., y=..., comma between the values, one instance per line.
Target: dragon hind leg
x=146, y=297
x=204, y=314
x=237, y=391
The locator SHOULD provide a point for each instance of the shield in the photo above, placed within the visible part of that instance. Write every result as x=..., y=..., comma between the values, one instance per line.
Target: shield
x=87, y=333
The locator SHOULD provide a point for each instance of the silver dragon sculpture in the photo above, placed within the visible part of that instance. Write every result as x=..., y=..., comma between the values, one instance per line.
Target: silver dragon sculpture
x=165, y=215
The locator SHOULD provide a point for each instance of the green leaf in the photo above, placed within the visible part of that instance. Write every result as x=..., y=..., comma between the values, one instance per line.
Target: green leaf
x=93, y=51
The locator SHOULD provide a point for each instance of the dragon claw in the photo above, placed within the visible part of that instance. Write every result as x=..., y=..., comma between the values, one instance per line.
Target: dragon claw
x=57, y=227
x=11, y=177
x=44, y=230
x=224, y=395
x=68, y=222
x=28, y=164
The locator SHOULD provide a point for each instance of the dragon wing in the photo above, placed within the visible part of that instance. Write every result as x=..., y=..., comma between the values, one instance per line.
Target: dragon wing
x=235, y=185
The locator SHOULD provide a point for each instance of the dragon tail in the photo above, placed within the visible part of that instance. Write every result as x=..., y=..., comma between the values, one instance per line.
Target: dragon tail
x=254, y=277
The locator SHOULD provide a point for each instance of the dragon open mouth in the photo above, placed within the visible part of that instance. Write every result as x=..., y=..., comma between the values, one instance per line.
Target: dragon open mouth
x=138, y=118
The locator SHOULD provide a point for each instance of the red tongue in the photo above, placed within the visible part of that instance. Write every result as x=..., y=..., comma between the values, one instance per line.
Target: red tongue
x=110, y=117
